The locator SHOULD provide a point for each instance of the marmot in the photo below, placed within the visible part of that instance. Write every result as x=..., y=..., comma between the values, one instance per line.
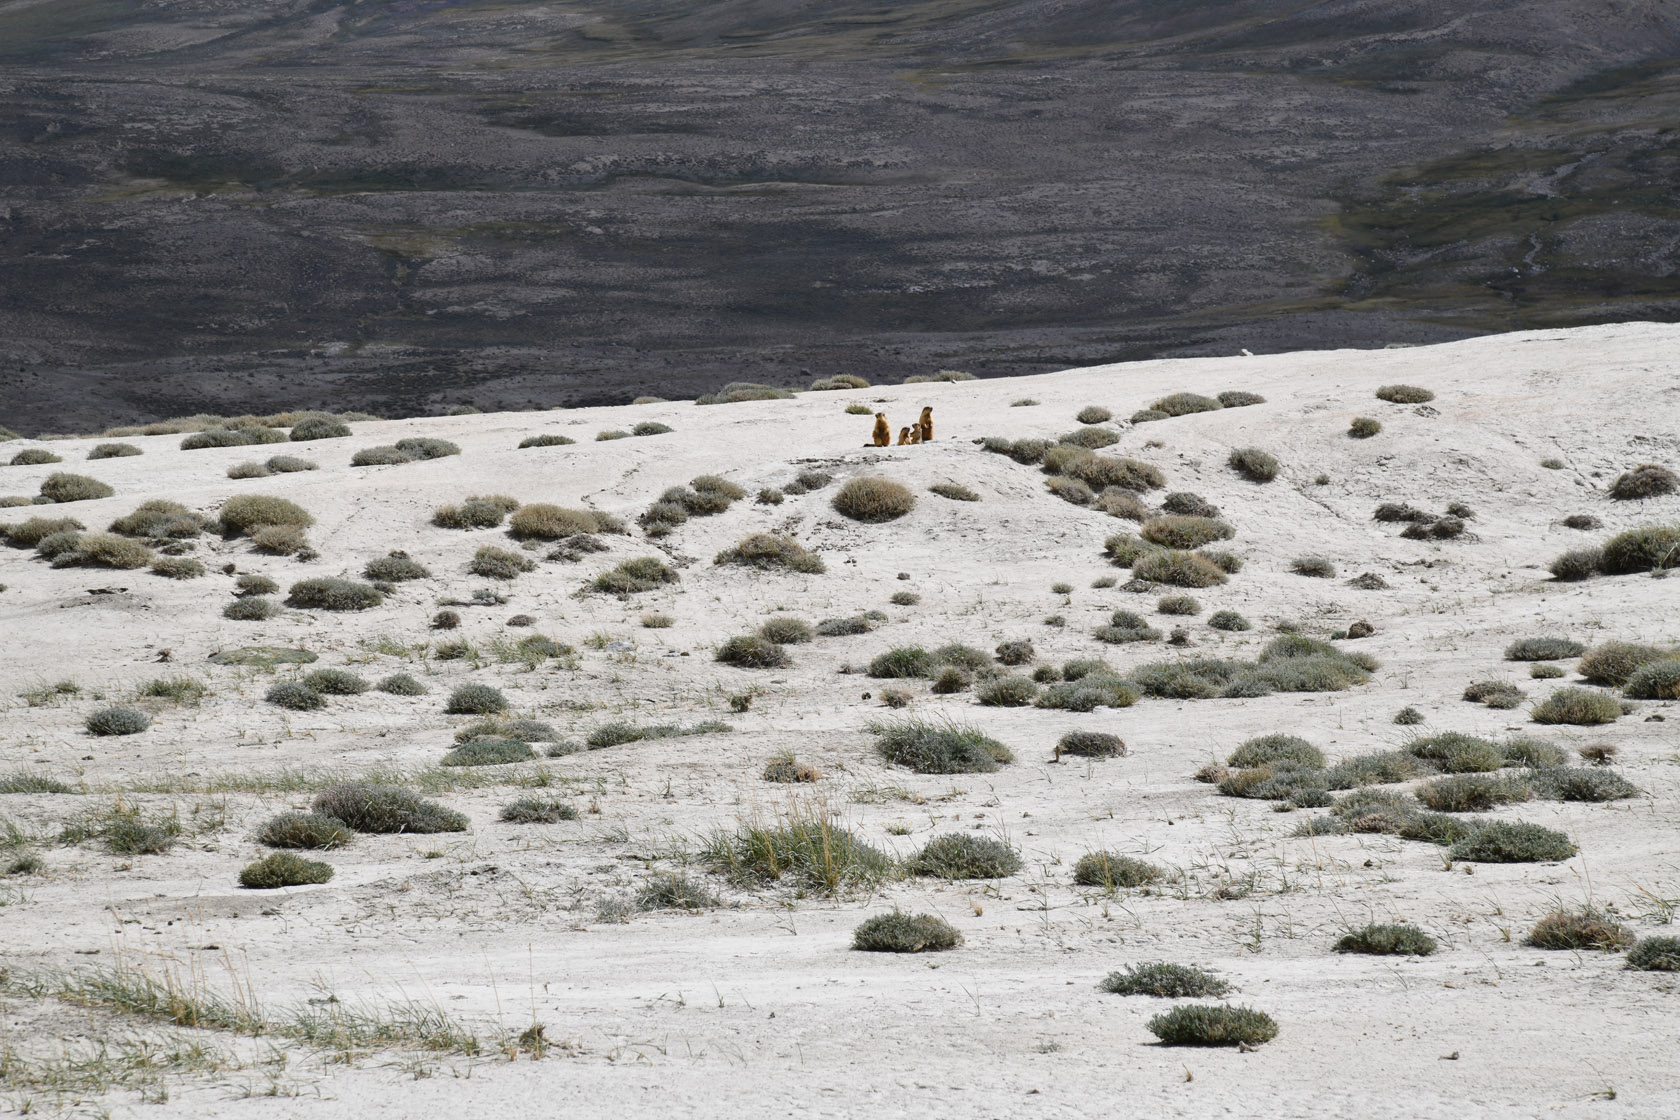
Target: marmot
x=903, y=436
x=883, y=433
x=916, y=434
x=926, y=424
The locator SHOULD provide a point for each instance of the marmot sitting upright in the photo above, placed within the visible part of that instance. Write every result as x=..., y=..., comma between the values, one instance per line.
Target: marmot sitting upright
x=926, y=424
x=903, y=436
x=883, y=433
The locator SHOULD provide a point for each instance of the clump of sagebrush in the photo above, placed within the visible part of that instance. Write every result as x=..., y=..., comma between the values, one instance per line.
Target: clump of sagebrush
x=1655, y=954
x=1615, y=663
x=1253, y=464
x=93, y=550
x=750, y=651
x=1404, y=394
x=177, y=567
x=1183, y=404
x=117, y=721
x=525, y=730
x=1472, y=793
x=1180, y=569
x=1387, y=940
x=805, y=848
x=770, y=496
x=370, y=807
x=772, y=550
x=786, y=631
x=1229, y=621
x=34, y=457
x=1091, y=744
x=1457, y=753
x=619, y=732
x=1543, y=649
x=1512, y=842
x=541, y=521
x=737, y=392
x=1580, y=706
x=283, y=869
x=1090, y=438
x=788, y=770
x=395, y=567
x=1363, y=427
x=335, y=682
x=654, y=620
x=1101, y=472
x=651, y=428
x=499, y=563
x=1094, y=414
x=1071, y=490
x=1586, y=928
x=1577, y=564
x=113, y=451
x=1178, y=605
x=1006, y=691
x=31, y=533
x=546, y=441
x=243, y=514
x=1648, y=480
x=839, y=381
x=125, y=830
x=1164, y=981
x=328, y=593
x=312, y=831
x=1018, y=651
x=1317, y=567
x=295, y=696
x=1213, y=1025
x=1112, y=871
x=488, y=752
x=1240, y=398
x=1656, y=680
x=844, y=627
x=537, y=810
x=480, y=511
x=645, y=573
x=1185, y=532
x=1543, y=672
x=963, y=855
x=1023, y=451
x=938, y=747
x=231, y=437
x=806, y=481
x=1274, y=748
x=23, y=781
x=1584, y=521
x=248, y=470
x=1565, y=783
x=1495, y=694
x=476, y=700
x=250, y=608
x=1653, y=548
x=873, y=500
x=62, y=487
x=899, y=932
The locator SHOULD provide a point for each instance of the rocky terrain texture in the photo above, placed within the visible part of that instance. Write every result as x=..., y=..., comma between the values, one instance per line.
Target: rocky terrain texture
x=394, y=206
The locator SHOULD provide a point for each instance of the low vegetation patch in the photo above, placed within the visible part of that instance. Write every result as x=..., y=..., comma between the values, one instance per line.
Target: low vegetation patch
x=1387, y=940
x=942, y=747
x=805, y=849
x=1213, y=1025
x=1404, y=394
x=873, y=500
x=1112, y=871
x=309, y=831
x=1164, y=981
x=1512, y=842
x=766, y=551
x=899, y=932
x=284, y=869
x=1579, y=706
x=645, y=573
x=117, y=721
x=1648, y=480
x=1254, y=464
x=374, y=808
x=1586, y=928
x=965, y=855
x=750, y=651
x=328, y=593
x=476, y=700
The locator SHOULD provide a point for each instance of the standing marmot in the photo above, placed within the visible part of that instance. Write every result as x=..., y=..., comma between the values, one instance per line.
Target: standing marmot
x=883, y=433
x=903, y=436
x=926, y=424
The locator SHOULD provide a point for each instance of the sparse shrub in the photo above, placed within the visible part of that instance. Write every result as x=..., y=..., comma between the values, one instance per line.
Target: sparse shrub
x=1113, y=871
x=1387, y=940
x=873, y=500
x=1125, y=550
x=335, y=682
x=424, y=447
x=1091, y=744
x=113, y=451
x=1146, y=415
x=499, y=563
x=1316, y=567
x=1615, y=663
x=245, y=513
x=1655, y=680
x=279, y=540
x=1238, y=398
x=1533, y=752
x=902, y=662
x=319, y=427
x=330, y=594
x=1119, y=502
x=1579, y=706
x=1090, y=438
x=488, y=752
x=1564, y=783
x=248, y=470
x=1363, y=427
x=1164, y=981
x=651, y=428
x=653, y=620
x=963, y=855
x=476, y=700
x=1648, y=480
x=31, y=533
x=1472, y=793
x=117, y=721
x=395, y=567
x=35, y=457
x=548, y=440
x=537, y=810
x=93, y=550
x=786, y=631
x=939, y=748
x=543, y=522
x=1213, y=1025
x=369, y=807
x=951, y=679
x=1543, y=649
x=1495, y=694
x=289, y=464
x=772, y=550
x=770, y=496
x=787, y=770
x=1512, y=842
x=62, y=487
x=938, y=376
x=1553, y=464
x=1185, y=532
x=1653, y=548
x=1275, y=748
x=806, y=850
x=645, y=573
x=283, y=869
x=1391, y=512
x=671, y=891
x=1015, y=652
x=899, y=932
x=1229, y=621
x=1183, y=404
x=905, y=598
x=382, y=456
x=1187, y=504
x=737, y=392
x=750, y=651
x=843, y=627
x=1577, y=564
x=1253, y=464
x=1101, y=472
x=1089, y=692
x=1178, y=605
x=1586, y=928
x=1094, y=414
x=1071, y=490
x=483, y=511
x=1227, y=562
x=1655, y=954
x=309, y=831
x=295, y=696
x=253, y=608
x=1543, y=672
x=1009, y=691
x=1404, y=394
x=177, y=567
x=1408, y=716
x=402, y=684
x=839, y=381
x=1180, y=569
x=1457, y=753
x=1584, y=521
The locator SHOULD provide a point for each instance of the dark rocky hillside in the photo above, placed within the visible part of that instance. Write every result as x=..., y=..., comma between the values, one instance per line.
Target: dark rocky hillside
x=396, y=205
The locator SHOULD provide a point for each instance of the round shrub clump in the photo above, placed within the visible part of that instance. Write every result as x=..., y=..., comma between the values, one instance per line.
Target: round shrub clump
x=1653, y=548
x=644, y=573
x=1180, y=569
x=368, y=807
x=1615, y=663
x=34, y=457
x=1543, y=649
x=963, y=855
x=1363, y=427
x=1404, y=394
x=1111, y=871
x=283, y=869
x=1658, y=680
x=335, y=682
x=244, y=513
x=1266, y=749
x=1655, y=954
x=319, y=427
x=1512, y=842
x=1253, y=464
x=1179, y=531
x=330, y=594
x=939, y=748
x=1213, y=1025
x=61, y=487
x=1577, y=564
x=295, y=696
x=312, y=831
x=1387, y=940
x=1164, y=981
x=750, y=651
x=1579, y=706
x=252, y=608
x=1229, y=621
x=1647, y=480
x=396, y=567
x=488, y=752
x=1009, y=691
x=786, y=631
x=1184, y=404
x=475, y=700
x=114, y=451
x=899, y=932
x=1091, y=744
x=873, y=500
x=537, y=810
x=1586, y=928
x=117, y=721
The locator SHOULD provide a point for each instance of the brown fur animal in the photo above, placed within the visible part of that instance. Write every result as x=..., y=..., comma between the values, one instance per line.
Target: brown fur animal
x=903, y=436
x=883, y=431
x=916, y=434
x=926, y=424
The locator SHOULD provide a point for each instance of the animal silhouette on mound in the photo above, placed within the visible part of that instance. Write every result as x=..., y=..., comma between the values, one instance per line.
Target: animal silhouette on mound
x=925, y=426
x=883, y=431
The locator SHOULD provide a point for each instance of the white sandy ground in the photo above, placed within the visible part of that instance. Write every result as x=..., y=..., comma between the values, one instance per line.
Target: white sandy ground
x=760, y=1008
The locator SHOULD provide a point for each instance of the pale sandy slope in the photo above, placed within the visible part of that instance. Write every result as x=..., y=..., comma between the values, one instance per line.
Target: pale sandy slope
x=761, y=1009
